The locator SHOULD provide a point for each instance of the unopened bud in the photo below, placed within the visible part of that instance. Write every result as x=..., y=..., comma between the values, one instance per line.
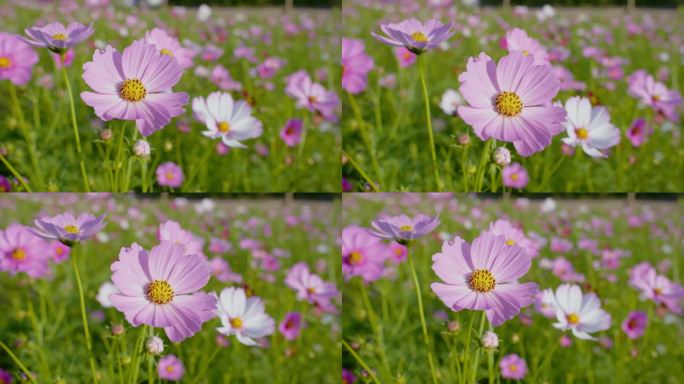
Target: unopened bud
x=141, y=148
x=502, y=156
x=154, y=345
x=490, y=340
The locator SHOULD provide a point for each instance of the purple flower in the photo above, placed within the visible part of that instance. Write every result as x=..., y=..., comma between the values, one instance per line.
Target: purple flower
x=5, y=185
x=169, y=45
x=58, y=38
x=169, y=174
x=309, y=286
x=638, y=132
x=654, y=94
x=513, y=367
x=170, y=368
x=161, y=288
x=312, y=96
x=355, y=65
x=16, y=59
x=363, y=254
x=292, y=132
x=414, y=35
x=483, y=277
x=635, y=324
x=404, y=229
x=291, y=325
x=68, y=229
x=514, y=236
x=171, y=231
x=517, y=40
x=515, y=176
x=22, y=251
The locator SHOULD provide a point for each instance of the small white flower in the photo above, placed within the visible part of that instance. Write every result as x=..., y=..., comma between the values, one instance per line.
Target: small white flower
x=106, y=289
x=502, y=156
x=451, y=100
x=231, y=121
x=490, y=340
x=154, y=345
x=203, y=12
x=243, y=317
x=141, y=148
x=580, y=313
x=589, y=127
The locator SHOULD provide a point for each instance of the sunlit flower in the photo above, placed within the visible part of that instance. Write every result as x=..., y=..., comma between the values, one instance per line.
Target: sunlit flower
x=589, y=127
x=417, y=37
x=577, y=312
x=243, y=317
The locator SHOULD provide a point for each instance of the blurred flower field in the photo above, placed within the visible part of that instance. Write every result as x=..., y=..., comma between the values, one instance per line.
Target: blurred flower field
x=197, y=291
x=442, y=96
x=101, y=97
x=542, y=291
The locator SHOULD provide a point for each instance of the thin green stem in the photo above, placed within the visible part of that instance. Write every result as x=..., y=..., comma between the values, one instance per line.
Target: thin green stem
x=361, y=172
x=18, y=362
x=74, y=124
x=419, y=296
x=30, y=142
x=476, y=362
x=15, y=173
x=360, y=361
x=490, y=364
x=117, y=163
x=548, y=355
x=483, y=165
x=426, y=98
x=135, y=365
x=376, y=328
x=84, y=317
x=150, y=363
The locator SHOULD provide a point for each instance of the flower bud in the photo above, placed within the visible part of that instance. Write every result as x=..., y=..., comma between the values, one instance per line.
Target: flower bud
x=490, y=340
x=502, y=156
x=117, y=329
x=154, y=345
x=141, y=148
x=106, y=134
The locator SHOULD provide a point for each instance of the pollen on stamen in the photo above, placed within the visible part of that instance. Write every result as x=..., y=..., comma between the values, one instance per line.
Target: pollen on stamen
x=582, y=133
x=236, y=322
x=355, y=258
x=166, y=52
x=419, y=37
x=406, y=228
x=482, y=281
x=18, y=254
x=223, y=127
x=5, y=62
x=508, y=104
x=71, y=229
x=59, y=36
x=572, y=318
x=159, y=292
x=132, y=90
x=510, y=242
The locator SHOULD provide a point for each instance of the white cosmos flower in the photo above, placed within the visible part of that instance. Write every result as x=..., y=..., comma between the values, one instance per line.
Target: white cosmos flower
x=450, y=102
x=580, y=313
x=225, y=119
x=106, y=289
x=243, y=317
x=589, y=127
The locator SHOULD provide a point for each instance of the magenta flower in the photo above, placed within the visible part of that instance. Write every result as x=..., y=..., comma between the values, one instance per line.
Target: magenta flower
x=170, y=368
x=405, y=57
x=59, y=252
x=16, y=59
x=655, y=94
x=171, y=231
x=135, y=85
x=404, y=229
x=517, y=40
x=5, y=184
x=514, y=236
x=58, y=38
x=169, y=45
x=511, y=101
x=68, y=229
x=161, y=288
x=312, y=96
x=638, y=132
x=662, y=291
x=417, y=37
x=169, y=174
x=292, y=132
x=309, y=286
x=363, y=254
x=355, y=66
x=483, y=277
x=515, y=176
x=513, y=367
x=222, y=78
x=635, y=324
x=65, y=59
x=291, y=325
x=23, y=251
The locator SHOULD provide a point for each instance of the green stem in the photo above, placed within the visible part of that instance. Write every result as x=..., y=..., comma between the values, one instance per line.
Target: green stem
x=376, y=328
x=361, y=172
x=426, y=337
x=18, y=362
x=15, y=173
x=117, y=164
x=483, y=163
x=548, y=355
x=150, y=363
x=360, y=361
x=137, y=353
x=84, y=174
x=490, y=364
x=30, y=143
x=84, y=317
x=426, y=98
x=476, y=362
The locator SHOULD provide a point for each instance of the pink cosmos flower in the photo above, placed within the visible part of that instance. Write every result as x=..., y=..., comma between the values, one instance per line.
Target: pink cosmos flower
x=405, y=57
x=580, y=313
x=511, y=101
x=513, y=367
x=292, y=132
x=404, y=229
x=312, y=96
x=517, y=40
x=417, y=37
x=5, y=376
x=244, y=317
x=638, y=132
x=483, y=277
x=221, y=77
x=135, y=85
x=68, y=229
x=363, y=254
x=355, y=66
x=161, y=288
x=5, y=184
x=171, y=231
x=635, y=324
x=589, y=127
x=170, y=368
x=270, y=66
x=16, y=59
x=222, y=271
x=169, y=45
x=58, y=38
x=638, y=274
x=169, y=174
x=397, y=253
x=515, y=176
x=514, y=236
x=291, y=325
x=22, y=251
x=348, y=376
x=662, y=291
x=230, y=121
x=65, y=59
x=59, y=252
x=309, y=286
x=654, y=94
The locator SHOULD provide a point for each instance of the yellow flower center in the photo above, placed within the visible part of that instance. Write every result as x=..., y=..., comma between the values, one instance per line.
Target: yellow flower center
x=223, y=127
x=19, y=254
x=166, y=52
x=514, y=177
x=355, y=258
x=5, y=62
x=59, y=251
x=312, y=100
x=311, y=290
x=508, y=104
x=159, y=292
x=170, y=176
x=419, y=37
x=572, y=319
x=398, y=251
x=513, y=367
x=236, y=322
x=582, y=133
x=658, y=291
x=406, y=228
x=59, y=36
x=71, y=229
x=525, y=53
x=656, y=98
x=132, y=90
x=481, y=280
x=511, y=241
x=169, y=369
